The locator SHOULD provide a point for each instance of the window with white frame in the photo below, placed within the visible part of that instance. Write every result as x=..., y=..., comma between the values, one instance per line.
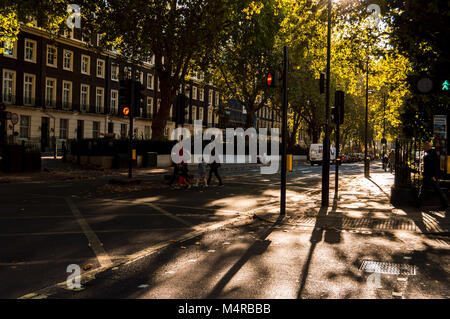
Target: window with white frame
x=95, y=129
x=25, y=126
x=52, y=56
x=210, y=116
x=50, y=92
x=187, y=91
x=29, y=82
x=30, y=51
x=114, y=102
x=99, y=39
x=141, y=77
x=85, y=64
x=200, y=113
x=63, y=128
x=67, y=60
x=210, y=98
x=201, y=96
x=84, y=97
x=114, y=72
x=150, y=81
x=9, y=48
x=194, y=113
x=67, y=95
x=99, y=100
x=149, y=106
x=9, y=86
x=147, y=132
x=194, y=92
x=123, y=130
x=100, y=68
x=127, y=72
x=159, y=87
x=68, y=33
x=217, y=99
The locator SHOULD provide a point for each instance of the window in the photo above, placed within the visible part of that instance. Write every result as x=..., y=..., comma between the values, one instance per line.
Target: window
x=50, y=92
x=67, y=60
x=25, y=123
x=187, y=91
x=194, y=92
x=210, y=98
x=95, y=129
x=113, y=106
x=84, y=98
x=200, y=114
x=141, y=77
x=9, y=86
x=201, y=94
x=114, y=72
x=147, y=130
x=150, y=81
x=85, y=64
x=67, y=95
x=101, y=68
x=217, y=99
x=127, y=72
x=28, y=89
x=158, y=86
x=99, y=39
x=210, y=116
x=99, y=100
x=68, y=33
x=158, y=105
x=30, y=51
x=194, y=113
x=52, y=56
x=123, y=130
x=10, y=48
x=111, y=127
x=63, y=127
x=149, y=106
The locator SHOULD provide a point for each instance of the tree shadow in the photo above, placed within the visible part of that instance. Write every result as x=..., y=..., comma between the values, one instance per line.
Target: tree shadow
x=257, y=248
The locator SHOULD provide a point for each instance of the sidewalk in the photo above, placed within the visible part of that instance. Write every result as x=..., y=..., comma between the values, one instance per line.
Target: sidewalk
x=363, y=205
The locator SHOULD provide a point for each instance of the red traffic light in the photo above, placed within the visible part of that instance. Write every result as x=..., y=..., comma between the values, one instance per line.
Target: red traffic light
x=126, y=111
x=269, y=79
x=2, y=107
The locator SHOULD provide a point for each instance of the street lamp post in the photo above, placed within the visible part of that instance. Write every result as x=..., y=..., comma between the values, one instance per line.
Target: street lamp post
x=326, y=141
x=366, y=159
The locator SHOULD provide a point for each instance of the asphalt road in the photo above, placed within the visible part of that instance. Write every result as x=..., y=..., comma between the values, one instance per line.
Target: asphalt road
x=151, y=241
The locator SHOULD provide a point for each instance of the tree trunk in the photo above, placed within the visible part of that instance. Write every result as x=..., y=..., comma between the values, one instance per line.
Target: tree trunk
x=160, y=119
x=250, y=119
x=315, y=135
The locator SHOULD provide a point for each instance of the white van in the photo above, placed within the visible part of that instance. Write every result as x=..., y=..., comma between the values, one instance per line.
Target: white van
x=316, y=154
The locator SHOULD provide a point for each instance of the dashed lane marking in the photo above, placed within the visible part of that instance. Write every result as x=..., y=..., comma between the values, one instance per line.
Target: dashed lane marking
x=94, y=242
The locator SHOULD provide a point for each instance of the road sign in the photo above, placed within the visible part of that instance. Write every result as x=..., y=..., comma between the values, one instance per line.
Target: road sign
x=14, y=118
x=440, y=126
x=126, y=111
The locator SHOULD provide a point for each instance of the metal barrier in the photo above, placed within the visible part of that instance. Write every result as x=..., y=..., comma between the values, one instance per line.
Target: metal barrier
x=408, y=164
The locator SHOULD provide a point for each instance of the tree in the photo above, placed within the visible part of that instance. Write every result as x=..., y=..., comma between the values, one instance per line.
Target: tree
x=179, y=33
x=247, y=53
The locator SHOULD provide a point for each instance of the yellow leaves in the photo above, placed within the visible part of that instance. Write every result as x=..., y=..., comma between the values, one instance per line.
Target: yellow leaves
x=253, y=9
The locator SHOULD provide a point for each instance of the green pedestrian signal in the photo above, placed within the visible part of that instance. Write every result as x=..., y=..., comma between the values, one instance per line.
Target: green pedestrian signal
x=446, y=85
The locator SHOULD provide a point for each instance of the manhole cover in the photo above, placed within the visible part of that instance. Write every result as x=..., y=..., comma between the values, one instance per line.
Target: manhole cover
x=387, y=268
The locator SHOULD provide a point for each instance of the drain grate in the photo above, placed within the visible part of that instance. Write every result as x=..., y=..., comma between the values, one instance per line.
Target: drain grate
x=387, y=268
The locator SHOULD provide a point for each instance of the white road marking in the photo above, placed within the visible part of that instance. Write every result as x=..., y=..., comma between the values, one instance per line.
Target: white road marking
x=94, y=242
x=170, y=215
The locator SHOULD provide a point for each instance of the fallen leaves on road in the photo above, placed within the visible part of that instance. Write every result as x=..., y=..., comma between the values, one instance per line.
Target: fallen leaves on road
x=88, y=266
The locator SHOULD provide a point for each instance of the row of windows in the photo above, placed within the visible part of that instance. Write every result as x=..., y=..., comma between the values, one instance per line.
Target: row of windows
x=30, y=53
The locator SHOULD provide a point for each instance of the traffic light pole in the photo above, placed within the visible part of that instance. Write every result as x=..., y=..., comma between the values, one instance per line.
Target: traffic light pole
x=338, y=160
x=283, y=134
x=130, y=143
x=326, y=140
x=366, y=155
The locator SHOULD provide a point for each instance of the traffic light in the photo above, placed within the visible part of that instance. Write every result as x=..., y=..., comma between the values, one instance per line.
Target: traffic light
x=322, y=82
x=139, y=99
x=2, y=111
x=272, y=79
x=180, y=108
x=125, y=97
x=338, y=109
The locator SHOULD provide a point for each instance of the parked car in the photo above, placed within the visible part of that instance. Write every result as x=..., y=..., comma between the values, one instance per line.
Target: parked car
x=316, y=154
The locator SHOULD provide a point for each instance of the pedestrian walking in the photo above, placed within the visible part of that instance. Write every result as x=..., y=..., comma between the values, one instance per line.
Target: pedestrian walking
x=392, y=160
x=431, y=176
x=201, y=175
x=385, y=162
x=183, y=175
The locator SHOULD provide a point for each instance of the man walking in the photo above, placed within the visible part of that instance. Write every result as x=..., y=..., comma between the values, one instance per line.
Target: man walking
x=431, y=176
